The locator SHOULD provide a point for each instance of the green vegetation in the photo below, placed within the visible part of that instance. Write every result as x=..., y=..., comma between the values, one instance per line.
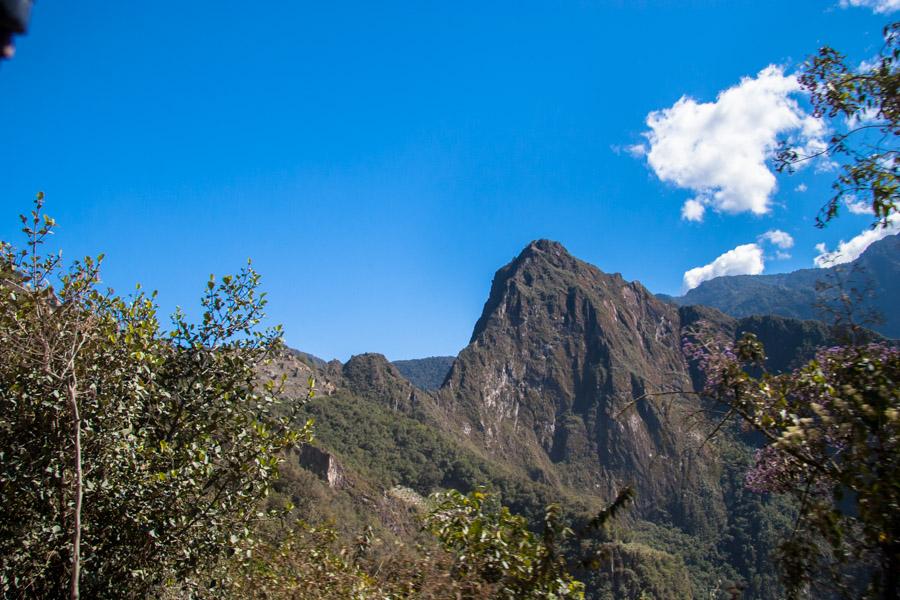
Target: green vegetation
x=495, y=551
x=479, y=550
x=831, y=443
x=865, y=140
x=641, y=572
x=384, y=447
x=131, y=456
x=388, y=447
x=426, y=373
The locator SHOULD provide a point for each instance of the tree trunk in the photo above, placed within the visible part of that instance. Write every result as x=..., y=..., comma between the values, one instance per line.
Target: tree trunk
x=891, y=568
x=72, y=397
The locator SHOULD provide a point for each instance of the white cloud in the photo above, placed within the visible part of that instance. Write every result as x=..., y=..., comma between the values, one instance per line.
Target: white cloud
x=849, y=251
x=857, y=207
x=693, y=210
x=869, y=64
x=866, y=116
x=879, y=6
x=781, y=255
x=801, y=188
x=636, y=150
x=743, y=260
x=779, y=238
x=719, y=149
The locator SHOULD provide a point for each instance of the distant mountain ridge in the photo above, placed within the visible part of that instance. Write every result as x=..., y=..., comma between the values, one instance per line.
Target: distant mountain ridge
x=426, y=373
x=795, y=294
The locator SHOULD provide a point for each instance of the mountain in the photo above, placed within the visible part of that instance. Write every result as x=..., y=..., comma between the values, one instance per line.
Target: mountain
x=560, y=350
x=555, y=363
x=796, y=295
x=426, y=373
x=553, y=400
x=372, y=376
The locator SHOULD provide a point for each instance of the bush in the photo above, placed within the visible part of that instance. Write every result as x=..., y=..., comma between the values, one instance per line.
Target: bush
x=130, y=457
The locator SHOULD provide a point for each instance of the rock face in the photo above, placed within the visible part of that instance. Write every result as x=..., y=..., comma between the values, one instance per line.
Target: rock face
x=297, y=370
x=323, y=464
x=549, y=381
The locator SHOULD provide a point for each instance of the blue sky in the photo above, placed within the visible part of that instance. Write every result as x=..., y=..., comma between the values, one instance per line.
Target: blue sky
x=379, y=161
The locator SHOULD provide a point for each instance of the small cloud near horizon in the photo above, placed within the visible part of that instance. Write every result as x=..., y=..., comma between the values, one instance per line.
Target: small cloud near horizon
x=777, y=237
x=850, y=250
x=857, y=207
x=746, y=259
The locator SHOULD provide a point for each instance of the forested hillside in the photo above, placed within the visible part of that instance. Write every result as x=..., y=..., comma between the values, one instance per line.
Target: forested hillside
x=426, y=373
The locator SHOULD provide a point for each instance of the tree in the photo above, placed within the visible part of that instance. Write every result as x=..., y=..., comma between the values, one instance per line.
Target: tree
x=130, y=457
x=494, y=551
x=830, y=430
x=831, y=441
x=864, y=108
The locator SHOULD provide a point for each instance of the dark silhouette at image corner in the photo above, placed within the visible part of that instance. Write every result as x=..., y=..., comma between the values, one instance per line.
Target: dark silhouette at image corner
x=14, y=16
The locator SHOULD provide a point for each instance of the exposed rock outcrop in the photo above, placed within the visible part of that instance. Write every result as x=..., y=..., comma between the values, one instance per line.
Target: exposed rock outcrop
x=560, y=353
x=323, y=464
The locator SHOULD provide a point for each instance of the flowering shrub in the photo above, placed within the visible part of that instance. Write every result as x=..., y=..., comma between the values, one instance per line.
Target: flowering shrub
x=832, y=441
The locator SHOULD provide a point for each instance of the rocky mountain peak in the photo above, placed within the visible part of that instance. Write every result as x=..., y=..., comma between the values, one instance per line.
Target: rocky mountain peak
x=542, y=266
x=560, y=350
x=540, y=257
x=547, y=250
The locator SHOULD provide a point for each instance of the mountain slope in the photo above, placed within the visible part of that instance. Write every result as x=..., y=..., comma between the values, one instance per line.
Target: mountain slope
x=553, y=400
x=795, y=294
x=426, y=373
x=561, y=349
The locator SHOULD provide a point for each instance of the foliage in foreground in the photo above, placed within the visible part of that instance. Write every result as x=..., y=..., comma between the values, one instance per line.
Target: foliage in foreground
x=864, y=107
x=832, y=443
x=134, y=460
x=495, y=550
x=474, y=549
x=130, y=457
